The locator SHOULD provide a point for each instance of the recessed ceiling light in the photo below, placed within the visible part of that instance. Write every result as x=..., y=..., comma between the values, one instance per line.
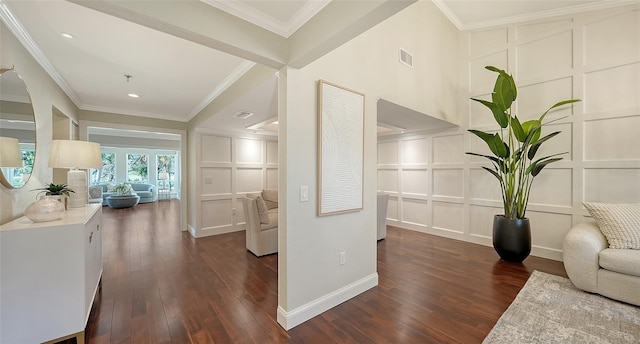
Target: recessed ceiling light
x=276, y=122
x=133, y=95
x=67, y=35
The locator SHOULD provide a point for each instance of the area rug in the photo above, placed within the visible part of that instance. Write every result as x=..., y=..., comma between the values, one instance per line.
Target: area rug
x=549, y=309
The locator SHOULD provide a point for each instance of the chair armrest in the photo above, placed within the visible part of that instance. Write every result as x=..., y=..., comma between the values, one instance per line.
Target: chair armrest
x=580, y=251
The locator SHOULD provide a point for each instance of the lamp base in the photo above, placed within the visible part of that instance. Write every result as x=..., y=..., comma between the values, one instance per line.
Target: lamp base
x=77, y=181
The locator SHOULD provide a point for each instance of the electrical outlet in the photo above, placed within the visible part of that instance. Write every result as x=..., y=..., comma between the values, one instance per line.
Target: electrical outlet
x=343, y=258
x=208, y=181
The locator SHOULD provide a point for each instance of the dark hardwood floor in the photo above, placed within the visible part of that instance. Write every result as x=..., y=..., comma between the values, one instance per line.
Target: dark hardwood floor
x=160, y=285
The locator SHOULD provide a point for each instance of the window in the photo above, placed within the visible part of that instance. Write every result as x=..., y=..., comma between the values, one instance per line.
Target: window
x=137, y=167
x=166, y=171
x=18, y=176
x=108, y=172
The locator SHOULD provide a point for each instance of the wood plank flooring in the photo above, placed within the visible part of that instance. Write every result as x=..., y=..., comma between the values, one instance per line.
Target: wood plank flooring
x=160, y=285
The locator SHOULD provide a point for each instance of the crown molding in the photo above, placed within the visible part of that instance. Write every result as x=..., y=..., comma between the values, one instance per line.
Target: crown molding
x=600, y=5
x=261, y=19
x=244, y=67
x=105, y=109
x=23, y=37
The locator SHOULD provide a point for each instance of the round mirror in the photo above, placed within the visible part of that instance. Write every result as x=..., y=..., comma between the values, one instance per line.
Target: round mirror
x=17, y=122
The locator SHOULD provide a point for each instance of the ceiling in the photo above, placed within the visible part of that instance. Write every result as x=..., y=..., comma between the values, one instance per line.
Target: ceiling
x=180, y=63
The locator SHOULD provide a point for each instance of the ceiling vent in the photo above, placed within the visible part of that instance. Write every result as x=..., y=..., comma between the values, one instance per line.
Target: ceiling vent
x=242, y=114
x=406, y=58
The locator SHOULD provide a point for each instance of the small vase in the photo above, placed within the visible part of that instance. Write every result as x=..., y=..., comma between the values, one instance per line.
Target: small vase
x=44, y=210
x=511, y=238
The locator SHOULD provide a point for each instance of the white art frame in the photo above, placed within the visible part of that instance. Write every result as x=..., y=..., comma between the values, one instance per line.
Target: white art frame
x=340, y=149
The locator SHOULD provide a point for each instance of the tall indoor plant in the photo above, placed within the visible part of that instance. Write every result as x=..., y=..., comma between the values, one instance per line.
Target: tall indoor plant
x=514, y=164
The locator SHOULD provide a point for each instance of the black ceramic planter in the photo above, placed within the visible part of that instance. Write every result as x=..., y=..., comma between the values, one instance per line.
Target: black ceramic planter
x=511, y=238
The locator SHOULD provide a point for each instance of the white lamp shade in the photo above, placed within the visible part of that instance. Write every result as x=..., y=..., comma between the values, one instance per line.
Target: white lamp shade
x=75, y=154
x=10, y=152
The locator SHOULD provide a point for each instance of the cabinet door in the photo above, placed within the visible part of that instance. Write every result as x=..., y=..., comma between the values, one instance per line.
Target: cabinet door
x=93, y=259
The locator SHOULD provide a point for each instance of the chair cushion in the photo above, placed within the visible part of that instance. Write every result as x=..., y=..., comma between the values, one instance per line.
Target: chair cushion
x=273, y=222
x=262, y=207
x=620, y=223
x=623, y=261
x=270, y=198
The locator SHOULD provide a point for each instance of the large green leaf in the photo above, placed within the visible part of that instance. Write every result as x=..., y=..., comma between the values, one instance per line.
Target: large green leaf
x=518, y=131
x=504, y=90
x=534, y=147
x=495, y=174
x=495, y=143
x=539, y=166
x=497, y=161
x=498, y=113
x=532, y=128
x=569, y=101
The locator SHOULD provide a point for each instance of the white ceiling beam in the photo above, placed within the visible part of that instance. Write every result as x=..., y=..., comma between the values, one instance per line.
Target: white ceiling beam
x=203, y=24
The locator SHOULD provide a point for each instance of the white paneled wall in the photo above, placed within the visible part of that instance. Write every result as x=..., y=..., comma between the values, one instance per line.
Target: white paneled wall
x=593, y=56
x=230, y=166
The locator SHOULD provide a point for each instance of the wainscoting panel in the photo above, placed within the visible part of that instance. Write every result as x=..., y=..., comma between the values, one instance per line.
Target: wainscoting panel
x=216, y=181
x=249, y=151
x=612, y=185
x=603, y=37
x=388, y=153
x=415, y=151
x=229, y=167
x=272, y=152
x=593, y=56
x=535, y=99
x=622, y=84
x=548, y=229
x=485, y=41
x=392, y=210
x=415, y=182
x=448, y=183
x=272, y=178
x=249, y=180
x=216, y=214
x=446, y=216
x=481, y=221
x=215, y=149
x=602, y=139
x=388, y=180
x=415, y=211
x=553, y=187
x=448, y=149
x=551, y=55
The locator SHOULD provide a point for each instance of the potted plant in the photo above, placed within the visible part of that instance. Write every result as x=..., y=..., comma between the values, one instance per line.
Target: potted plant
x=58, y=191
x=514, y=164
x=122, y=189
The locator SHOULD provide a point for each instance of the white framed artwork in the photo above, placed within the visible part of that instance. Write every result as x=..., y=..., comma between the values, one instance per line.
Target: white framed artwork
x=340, y=149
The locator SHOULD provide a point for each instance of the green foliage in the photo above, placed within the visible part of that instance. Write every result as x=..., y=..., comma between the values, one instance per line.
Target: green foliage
x=55, y=189
x=515, y=146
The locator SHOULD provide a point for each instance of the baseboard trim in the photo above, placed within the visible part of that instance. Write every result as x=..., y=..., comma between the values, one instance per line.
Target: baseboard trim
x=295, y=317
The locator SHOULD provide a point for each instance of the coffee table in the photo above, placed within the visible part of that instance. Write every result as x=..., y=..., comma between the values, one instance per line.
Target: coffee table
x=125, y=201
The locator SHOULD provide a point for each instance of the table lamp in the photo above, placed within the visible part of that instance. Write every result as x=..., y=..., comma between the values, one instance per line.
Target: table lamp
x=76, y=155
x=10, y=152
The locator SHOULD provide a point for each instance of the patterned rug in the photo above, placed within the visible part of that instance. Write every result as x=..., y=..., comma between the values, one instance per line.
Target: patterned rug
x=549, y=309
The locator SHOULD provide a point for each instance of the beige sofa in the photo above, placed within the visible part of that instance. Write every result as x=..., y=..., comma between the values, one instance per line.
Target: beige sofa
x=261, y=216
x=594, y=267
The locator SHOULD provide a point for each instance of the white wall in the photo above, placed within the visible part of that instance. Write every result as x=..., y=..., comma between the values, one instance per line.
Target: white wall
x=45, y=95
x=592, y=56
x=310, y=277
x=227, y=167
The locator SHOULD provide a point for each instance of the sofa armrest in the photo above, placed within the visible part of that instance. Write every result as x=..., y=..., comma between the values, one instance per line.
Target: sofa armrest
x=580, y=252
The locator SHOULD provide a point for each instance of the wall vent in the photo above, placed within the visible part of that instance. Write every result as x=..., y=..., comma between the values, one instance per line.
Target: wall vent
x=242, y=114
x=406, y=58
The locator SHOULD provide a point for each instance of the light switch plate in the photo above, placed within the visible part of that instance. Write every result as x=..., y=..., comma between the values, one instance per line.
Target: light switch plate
x=304, y=194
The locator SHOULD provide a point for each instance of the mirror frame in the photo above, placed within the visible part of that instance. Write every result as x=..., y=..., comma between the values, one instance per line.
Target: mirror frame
x=3, y=178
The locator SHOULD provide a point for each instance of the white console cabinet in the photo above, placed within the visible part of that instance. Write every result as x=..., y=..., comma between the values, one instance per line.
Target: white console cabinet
x=49, y=276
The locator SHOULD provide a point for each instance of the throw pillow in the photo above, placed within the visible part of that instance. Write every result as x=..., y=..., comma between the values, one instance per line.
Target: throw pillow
x=262, y=208
x=270, y=198
x=620, y=223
